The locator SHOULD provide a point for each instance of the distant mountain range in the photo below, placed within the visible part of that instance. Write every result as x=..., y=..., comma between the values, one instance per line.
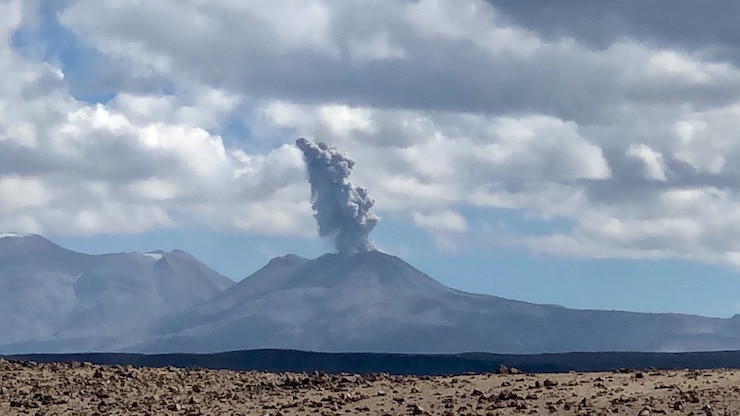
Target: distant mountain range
x=53, y=299
x=56, y=300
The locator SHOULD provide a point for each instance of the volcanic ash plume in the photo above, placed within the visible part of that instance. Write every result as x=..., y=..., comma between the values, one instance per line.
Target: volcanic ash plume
x=341, y=210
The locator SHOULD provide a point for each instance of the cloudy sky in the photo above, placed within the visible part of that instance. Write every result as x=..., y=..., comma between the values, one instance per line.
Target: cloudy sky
x=555, y=152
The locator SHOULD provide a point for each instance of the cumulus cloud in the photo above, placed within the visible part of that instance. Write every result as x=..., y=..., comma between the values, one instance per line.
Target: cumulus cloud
x=607, y=119
x=442, y=221
x=447, y=227
x=654, y=168
x=443, y=55
x=137, y=163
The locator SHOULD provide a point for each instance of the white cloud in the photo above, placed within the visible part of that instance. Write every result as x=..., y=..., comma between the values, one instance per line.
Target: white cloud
x=469, y=20
x=441, y=158
x=377, y=48
x=441, y=221
x=208, y=108
x=35, y=193
x=431, y=54
x=444, y=105
x=137, y=163
x=671, y=65
x=445, y=226
x=654, y=167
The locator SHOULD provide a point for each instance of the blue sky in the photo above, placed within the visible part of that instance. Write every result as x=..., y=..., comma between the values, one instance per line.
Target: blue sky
x=559, y=154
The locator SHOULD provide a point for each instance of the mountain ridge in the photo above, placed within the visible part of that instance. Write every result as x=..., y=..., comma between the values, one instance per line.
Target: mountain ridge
x=58, y=300
x=375, y=302
x=55, y=299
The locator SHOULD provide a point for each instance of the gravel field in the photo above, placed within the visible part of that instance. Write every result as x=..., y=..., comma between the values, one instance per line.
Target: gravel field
x=28, y=388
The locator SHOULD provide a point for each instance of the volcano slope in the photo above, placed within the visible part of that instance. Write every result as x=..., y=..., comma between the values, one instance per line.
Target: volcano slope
x=375, y=302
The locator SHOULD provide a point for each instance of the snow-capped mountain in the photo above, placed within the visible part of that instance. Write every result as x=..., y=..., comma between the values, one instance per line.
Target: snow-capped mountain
x=376, y=302
x=54, y=299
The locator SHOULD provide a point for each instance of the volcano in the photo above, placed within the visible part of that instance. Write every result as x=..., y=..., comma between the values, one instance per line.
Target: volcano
x=375, y=302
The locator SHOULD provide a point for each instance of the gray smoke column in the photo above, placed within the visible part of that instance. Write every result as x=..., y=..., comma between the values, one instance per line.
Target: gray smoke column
x=341, y=210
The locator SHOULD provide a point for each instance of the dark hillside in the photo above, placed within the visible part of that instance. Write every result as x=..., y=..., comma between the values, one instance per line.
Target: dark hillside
x=407, y=364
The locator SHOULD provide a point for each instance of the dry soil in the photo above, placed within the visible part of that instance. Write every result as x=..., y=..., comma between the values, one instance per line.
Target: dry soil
x=28, y=388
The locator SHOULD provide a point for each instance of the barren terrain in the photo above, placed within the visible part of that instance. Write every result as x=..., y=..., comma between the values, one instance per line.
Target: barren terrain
x=87, y=389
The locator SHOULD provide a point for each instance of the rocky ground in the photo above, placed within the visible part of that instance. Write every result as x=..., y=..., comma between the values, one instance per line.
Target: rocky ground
x=28, y=388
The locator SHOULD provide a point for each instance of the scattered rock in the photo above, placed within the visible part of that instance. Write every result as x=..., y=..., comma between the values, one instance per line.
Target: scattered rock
x=549, y=383
x=57, y=389
x=415, y=409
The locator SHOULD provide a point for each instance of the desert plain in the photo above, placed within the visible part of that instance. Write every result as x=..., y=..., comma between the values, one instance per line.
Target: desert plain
x=30, y=388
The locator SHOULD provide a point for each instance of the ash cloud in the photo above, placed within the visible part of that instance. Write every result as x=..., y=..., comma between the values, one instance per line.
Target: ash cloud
x=342, y=210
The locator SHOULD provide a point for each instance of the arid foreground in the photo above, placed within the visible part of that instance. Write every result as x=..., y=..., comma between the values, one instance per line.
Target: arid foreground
x=86, y=389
